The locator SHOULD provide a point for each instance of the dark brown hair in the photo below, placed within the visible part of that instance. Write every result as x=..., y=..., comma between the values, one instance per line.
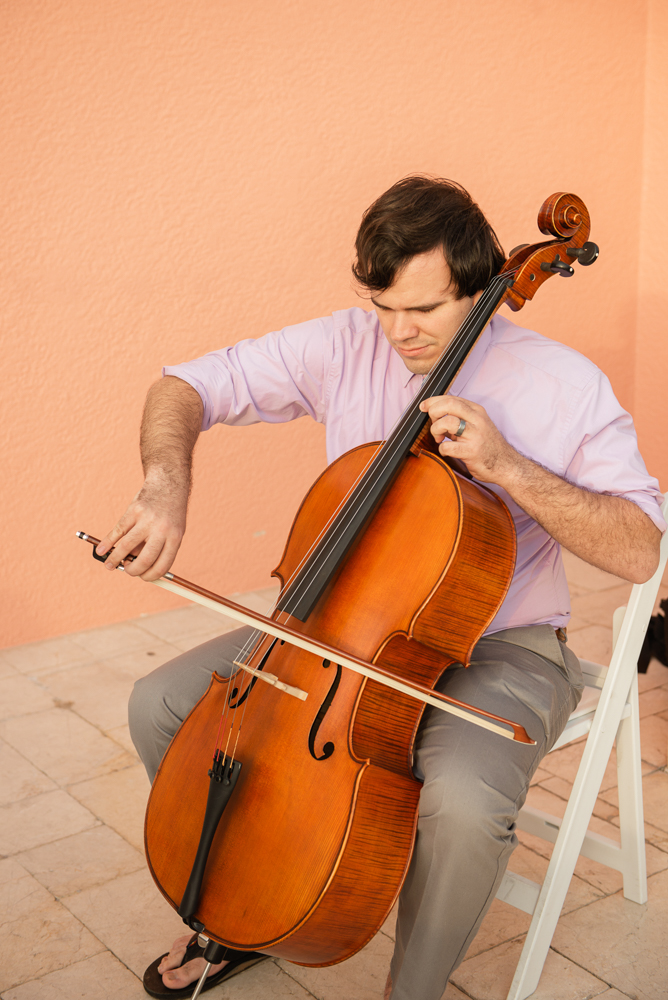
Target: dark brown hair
x=416, y=215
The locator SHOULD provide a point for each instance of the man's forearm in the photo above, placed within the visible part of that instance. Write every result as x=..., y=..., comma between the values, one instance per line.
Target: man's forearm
x=609, y=532
x=153, y=525
x=170, y=427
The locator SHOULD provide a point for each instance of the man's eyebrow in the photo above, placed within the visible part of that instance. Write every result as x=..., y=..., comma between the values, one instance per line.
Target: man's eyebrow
x=423, y=308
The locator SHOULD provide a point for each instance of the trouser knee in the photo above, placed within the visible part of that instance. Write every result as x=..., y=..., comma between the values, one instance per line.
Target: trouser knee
x=145, y=707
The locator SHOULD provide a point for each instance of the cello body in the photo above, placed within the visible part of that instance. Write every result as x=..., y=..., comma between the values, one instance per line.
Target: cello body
x=314, y=844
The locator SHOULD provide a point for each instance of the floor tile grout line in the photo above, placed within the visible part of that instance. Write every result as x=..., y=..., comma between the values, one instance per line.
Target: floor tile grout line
x=92, y=934
x=38, y=979
x=610, y=986
x=295, y=980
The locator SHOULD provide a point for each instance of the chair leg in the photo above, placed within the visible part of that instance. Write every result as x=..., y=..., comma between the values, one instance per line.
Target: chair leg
x=629, y=782
x=566, y=850
x=557, y=880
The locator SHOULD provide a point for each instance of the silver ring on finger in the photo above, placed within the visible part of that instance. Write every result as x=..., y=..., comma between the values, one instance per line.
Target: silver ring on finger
x=460, y=430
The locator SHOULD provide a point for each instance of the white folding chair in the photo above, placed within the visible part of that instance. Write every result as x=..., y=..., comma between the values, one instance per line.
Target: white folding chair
x=608, y=711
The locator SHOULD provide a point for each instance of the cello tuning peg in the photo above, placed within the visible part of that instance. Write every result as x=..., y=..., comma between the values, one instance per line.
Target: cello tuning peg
x=586, y=254
x=558, y=266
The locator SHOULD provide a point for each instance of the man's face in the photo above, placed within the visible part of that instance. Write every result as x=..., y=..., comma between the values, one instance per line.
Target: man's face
x=419, y=313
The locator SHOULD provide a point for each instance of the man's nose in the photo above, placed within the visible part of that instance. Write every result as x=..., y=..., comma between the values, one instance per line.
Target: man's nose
x=404, y=327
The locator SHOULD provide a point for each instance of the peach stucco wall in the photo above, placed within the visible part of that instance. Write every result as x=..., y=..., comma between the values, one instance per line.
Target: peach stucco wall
x=178, y=176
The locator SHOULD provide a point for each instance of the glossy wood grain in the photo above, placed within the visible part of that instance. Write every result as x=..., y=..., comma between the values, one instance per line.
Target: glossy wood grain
x=299, y=832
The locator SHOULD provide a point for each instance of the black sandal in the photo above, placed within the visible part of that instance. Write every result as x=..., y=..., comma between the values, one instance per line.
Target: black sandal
x=237, y=961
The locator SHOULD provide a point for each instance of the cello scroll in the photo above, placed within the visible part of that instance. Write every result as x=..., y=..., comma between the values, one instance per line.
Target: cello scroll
x=565, y=217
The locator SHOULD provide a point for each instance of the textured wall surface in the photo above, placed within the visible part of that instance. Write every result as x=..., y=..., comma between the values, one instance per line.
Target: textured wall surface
x=180, y=176
x=651, y=373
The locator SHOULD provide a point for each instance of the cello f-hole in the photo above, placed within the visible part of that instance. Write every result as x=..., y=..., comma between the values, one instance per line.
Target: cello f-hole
x=328, y=748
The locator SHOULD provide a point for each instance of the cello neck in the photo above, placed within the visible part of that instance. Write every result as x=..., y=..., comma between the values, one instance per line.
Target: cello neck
x=303, y=591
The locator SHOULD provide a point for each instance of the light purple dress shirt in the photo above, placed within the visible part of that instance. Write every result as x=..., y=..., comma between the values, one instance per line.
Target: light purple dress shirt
x=551, y=404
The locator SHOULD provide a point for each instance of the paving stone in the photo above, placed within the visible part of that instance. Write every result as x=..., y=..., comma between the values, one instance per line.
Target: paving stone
x=119, y=800
x=121, y=735
x=6, y=669
x=656, y=675
x=59, y=834
x=502, y=922
x=130, y=917
x=112, y=640
x=96, y=693
x=488, y=976
x=598, y=607
x=83, y=860
x=19, y=778
x=20, y=695
x=38, y=657
x=653, y=701
x=655, y=799
x=592, y=642
x=654, y=740
x=533, y=866
x=188, y=642
x=621, y=941
x=363, y=976
x=37, y=934
x=40, y=820
x=263, y=982
x=64, y=746
x=540, y=774
x=101, y=977
x=136, y=663
x=564, y=763
x=657, y=838
x=180, y=622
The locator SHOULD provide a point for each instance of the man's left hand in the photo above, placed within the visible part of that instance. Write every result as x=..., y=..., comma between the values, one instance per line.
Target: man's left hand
x=487, y=454
x=607, y=531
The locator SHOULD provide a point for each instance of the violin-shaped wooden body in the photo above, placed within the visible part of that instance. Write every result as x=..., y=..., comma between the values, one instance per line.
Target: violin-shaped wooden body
x=313, y=846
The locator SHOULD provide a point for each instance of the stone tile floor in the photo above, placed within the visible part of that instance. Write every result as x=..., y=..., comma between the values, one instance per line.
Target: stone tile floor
x=81, y=917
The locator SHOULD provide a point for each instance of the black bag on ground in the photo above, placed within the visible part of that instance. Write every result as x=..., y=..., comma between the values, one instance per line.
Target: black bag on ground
x=655, y=644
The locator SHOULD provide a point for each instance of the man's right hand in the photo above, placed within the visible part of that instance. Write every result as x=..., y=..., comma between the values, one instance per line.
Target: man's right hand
x=153, y=525
x=151, y=529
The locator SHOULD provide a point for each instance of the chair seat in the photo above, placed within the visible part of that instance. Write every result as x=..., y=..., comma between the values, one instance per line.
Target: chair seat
x=579, y=722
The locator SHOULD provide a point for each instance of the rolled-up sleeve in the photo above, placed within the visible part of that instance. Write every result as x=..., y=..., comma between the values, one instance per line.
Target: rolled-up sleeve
x=276, y=378
x=604, y=454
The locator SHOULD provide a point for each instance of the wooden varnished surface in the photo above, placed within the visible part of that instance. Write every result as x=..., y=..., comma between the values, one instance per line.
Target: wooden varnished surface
x=311, y=853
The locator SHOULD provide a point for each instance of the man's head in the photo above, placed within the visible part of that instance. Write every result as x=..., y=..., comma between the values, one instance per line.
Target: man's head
x=424, y=252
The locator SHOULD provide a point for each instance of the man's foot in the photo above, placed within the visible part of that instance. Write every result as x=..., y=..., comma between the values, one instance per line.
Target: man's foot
x=176, y=976
x=173, y=975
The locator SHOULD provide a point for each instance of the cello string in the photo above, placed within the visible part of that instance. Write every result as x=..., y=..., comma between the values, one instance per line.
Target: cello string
x=390, y=451
x=404, y=417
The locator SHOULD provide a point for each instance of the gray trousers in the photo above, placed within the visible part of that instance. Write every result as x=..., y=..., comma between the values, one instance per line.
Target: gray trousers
x=474, y=782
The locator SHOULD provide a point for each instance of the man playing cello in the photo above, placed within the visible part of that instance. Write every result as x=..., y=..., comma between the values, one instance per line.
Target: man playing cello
x=533, y=420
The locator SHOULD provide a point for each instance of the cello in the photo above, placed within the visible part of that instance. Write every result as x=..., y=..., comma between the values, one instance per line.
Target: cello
x=309, y=850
